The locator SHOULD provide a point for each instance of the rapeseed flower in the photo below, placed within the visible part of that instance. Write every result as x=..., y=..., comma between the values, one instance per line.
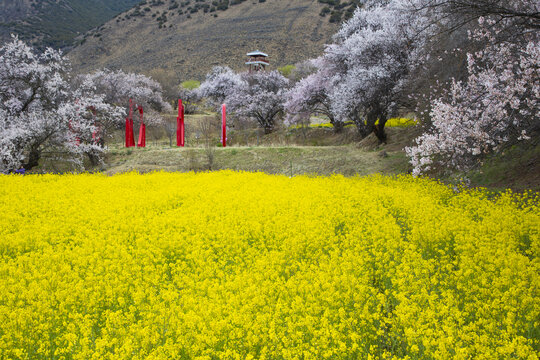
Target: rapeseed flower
x=232, y=265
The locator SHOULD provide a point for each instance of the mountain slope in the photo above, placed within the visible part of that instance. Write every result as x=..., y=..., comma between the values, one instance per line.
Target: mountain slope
x=186, y=39
x=56, y=22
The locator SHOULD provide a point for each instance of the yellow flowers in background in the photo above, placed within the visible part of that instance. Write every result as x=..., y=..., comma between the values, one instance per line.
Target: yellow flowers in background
x=393, y=122
x=230, y=265
x=399, y=122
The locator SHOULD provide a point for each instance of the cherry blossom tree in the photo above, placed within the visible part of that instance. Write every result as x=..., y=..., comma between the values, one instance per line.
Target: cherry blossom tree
x=219, y=83
x=310, y=95
x=103, y=116
x=119, y=87
x=362, y=75
x=40, y=112
x=497, y=105
x=259, y=97
x=519, y=14
x=189, y=97
x=377, y=49
x=303, y=69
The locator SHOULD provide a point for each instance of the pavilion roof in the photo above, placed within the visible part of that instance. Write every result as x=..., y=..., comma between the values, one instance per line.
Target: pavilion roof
x=257, y=53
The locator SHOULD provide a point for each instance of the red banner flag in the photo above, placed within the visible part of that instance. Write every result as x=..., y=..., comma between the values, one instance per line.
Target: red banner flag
x=142, y=130
x=142, y=136
x=130, y=136
x=128, y=139
x=224, y=125
x=182, y=127
x=180, y=130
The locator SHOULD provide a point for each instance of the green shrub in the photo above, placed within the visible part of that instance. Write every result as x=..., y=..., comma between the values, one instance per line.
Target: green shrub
x=191, y=84
x=286, y=70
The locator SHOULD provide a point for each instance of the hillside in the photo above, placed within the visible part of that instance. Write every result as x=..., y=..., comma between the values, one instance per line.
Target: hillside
x=185, y=39
x=56, y=22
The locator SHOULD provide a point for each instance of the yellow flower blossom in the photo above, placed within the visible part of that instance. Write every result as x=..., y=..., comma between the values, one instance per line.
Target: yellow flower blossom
x=232, y=265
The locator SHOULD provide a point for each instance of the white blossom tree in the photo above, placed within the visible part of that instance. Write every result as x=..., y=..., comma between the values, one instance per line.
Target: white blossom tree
x=365, y=70
x=90, y=106
x=40, y=112
x=303, y=69
x=190, y=98
x=259, y=97
x=219, y=83
x=497, y=105
x=119, y=87
x=380, y=46
x=310, y=95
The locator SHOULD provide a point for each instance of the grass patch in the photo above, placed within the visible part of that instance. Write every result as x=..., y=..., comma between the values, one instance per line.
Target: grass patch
x=346, y=160
x=517, y=168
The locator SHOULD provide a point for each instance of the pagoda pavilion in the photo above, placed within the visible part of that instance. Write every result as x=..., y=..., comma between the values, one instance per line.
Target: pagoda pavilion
x=257, y=60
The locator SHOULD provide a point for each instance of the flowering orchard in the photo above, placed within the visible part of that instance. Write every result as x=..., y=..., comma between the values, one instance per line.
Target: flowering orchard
x=392, y=55
x=232, y=265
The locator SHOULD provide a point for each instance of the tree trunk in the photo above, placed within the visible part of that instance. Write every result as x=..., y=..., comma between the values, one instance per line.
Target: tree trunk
x=267, y=125
x=379, y=129
x=377, y=114
x=338, y=125
x=33, y=159
x=94, y=159
x=362, y=129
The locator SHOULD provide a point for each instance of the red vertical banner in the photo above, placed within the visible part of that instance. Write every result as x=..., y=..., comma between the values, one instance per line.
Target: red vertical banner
x=130, y=137
x=223, y=125
x=141, y=134
x=131, y=134
x=180, y=131
x=178, y=141
x=128, y=140
x=144, y=135
x=182, y=127
x=142, y=130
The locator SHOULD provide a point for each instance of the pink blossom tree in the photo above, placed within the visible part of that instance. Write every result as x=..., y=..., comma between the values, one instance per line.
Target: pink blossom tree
x=497, y=105
x=310, y=96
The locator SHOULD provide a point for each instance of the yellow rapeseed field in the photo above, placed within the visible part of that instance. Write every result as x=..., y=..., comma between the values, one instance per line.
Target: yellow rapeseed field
x=231, y=265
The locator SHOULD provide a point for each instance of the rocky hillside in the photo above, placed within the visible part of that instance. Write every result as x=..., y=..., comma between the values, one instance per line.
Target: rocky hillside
x=184, y=39
x=56, y=22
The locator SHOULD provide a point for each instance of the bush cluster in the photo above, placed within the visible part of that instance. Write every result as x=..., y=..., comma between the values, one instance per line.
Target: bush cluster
x=338, y=10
